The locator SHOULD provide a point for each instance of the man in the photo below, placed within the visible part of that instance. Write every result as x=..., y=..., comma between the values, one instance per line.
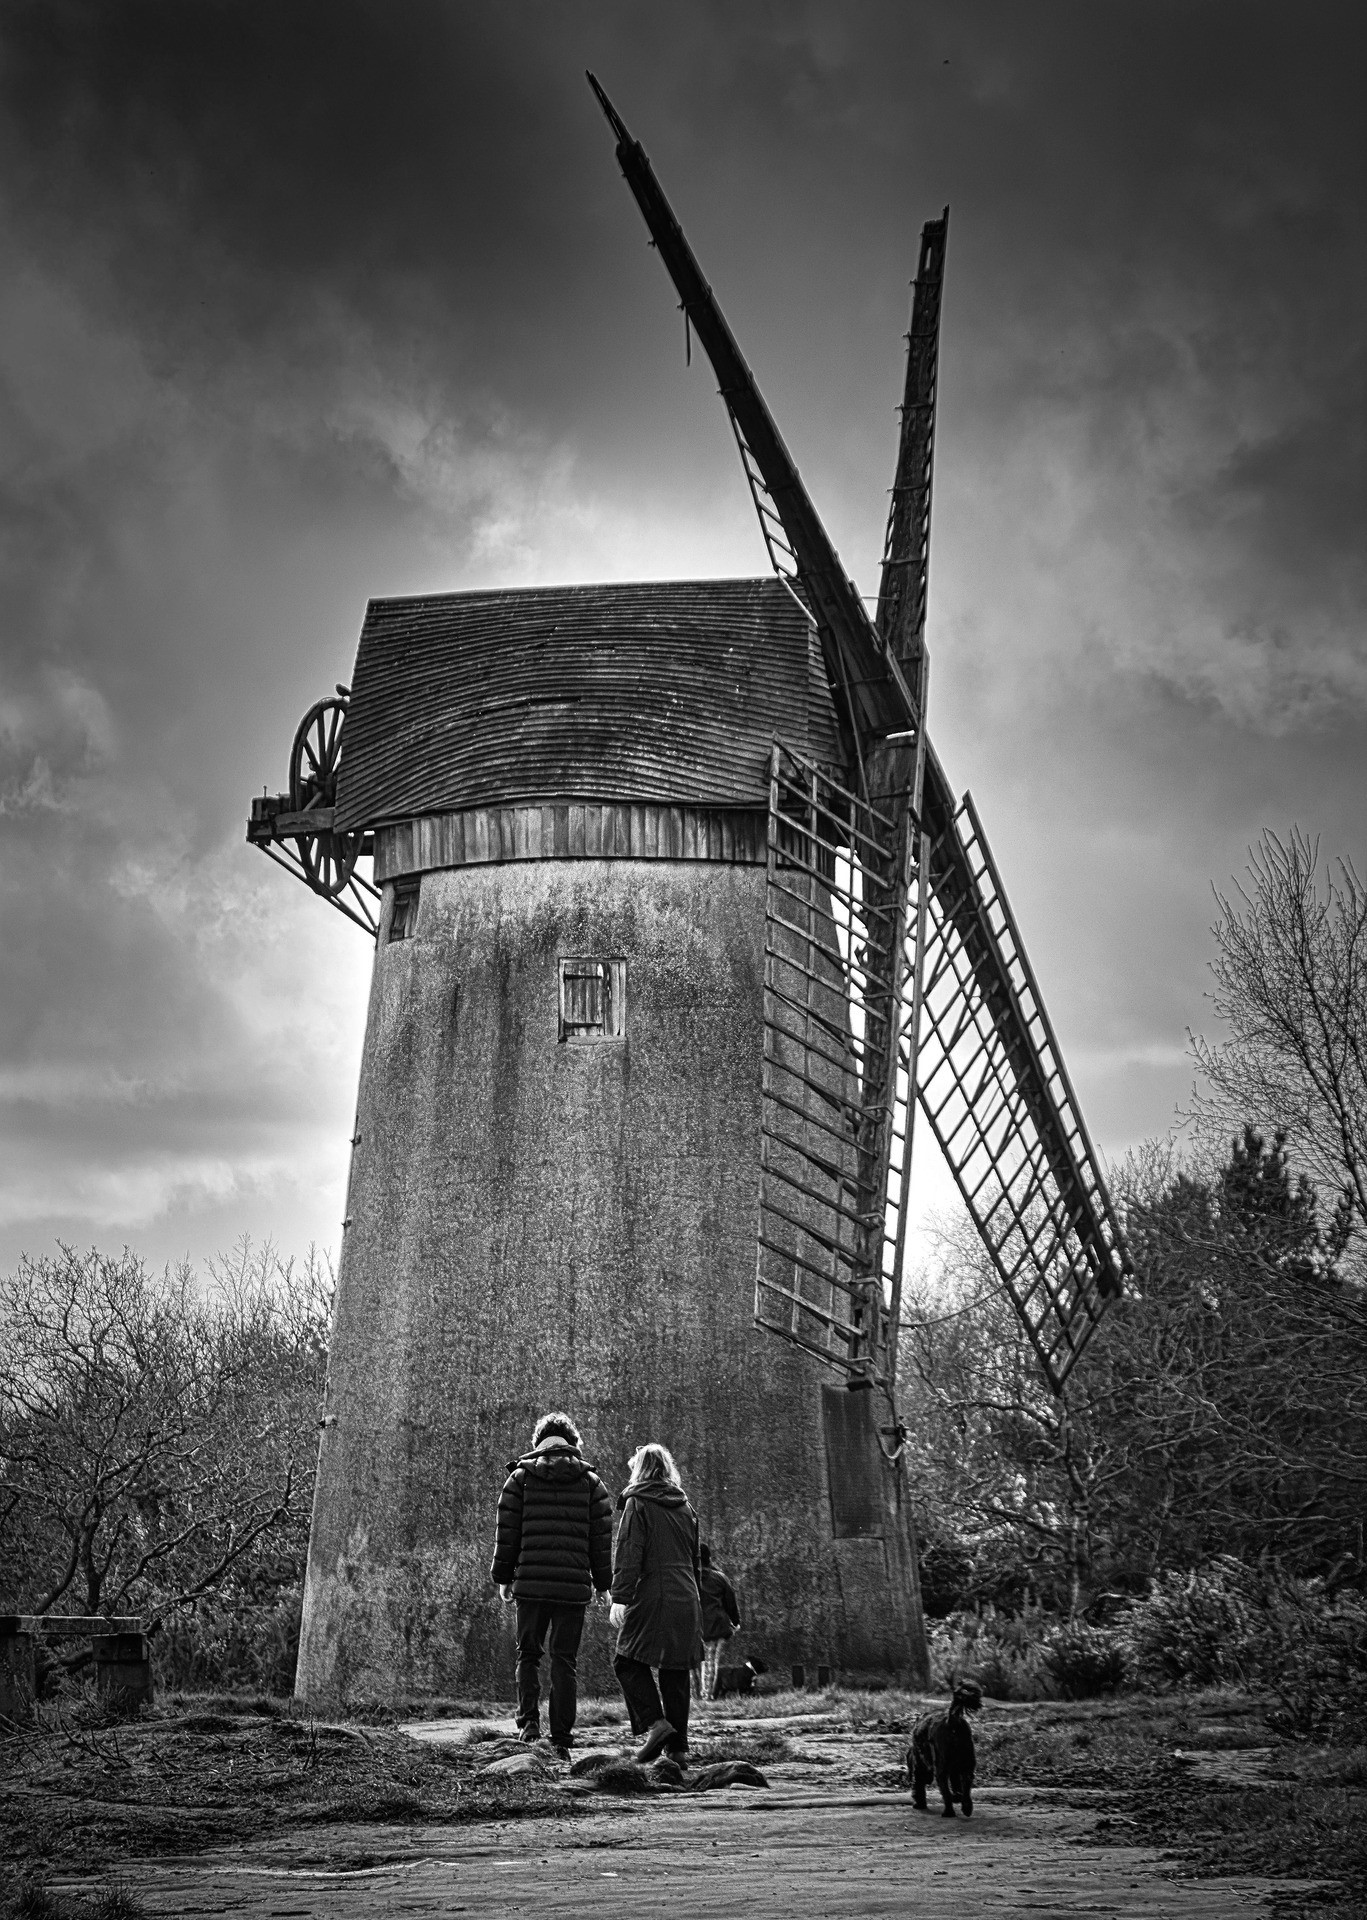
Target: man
x=720, y=1619
x=553, y=1548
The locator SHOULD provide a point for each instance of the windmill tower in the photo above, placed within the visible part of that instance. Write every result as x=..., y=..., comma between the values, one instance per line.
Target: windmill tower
x=677, y=923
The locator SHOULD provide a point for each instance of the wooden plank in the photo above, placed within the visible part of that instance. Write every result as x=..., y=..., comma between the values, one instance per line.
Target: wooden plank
x=476, y=836
x=53, y=1626
x=309, y=820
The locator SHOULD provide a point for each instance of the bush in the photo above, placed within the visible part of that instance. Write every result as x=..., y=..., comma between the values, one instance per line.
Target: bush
x=1084, y=1661
x=1027, y=1656
x=1231, y=1624
x=245, y=1636
x=1194, y=1629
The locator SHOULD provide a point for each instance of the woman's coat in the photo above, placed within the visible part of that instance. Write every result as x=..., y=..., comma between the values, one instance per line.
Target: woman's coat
x=655, y=1576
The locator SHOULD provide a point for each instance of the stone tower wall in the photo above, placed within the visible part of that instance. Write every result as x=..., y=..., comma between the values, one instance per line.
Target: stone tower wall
x=538, y=1224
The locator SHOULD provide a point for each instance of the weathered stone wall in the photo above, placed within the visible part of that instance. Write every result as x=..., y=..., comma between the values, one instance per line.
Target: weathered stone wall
x=535, y=1225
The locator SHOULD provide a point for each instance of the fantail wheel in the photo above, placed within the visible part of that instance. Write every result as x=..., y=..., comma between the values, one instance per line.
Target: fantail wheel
x=315, y=759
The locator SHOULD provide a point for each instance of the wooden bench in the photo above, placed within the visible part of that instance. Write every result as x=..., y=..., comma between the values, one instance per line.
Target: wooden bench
x=123, y=1660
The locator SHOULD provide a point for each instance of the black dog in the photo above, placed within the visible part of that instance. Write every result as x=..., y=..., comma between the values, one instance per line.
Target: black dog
x=942, y=1750
x=738, y=1679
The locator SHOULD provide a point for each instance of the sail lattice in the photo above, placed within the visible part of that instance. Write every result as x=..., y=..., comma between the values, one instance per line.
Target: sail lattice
x=840, y=964
x=991, y=1082
x=833, y=966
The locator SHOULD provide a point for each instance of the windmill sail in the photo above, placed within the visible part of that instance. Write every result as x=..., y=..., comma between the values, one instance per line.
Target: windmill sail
x=868, y=685
x=834, y=989
x=992, y=1085
x=893, y=966
x=905, y=586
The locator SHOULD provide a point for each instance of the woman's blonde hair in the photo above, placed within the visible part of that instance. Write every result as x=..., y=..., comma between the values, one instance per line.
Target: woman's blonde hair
x=654, y=1462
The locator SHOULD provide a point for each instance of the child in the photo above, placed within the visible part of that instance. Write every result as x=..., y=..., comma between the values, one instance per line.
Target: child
x=720, y=1619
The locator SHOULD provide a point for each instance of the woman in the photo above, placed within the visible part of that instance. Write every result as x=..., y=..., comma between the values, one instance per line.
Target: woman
x=656, y=1605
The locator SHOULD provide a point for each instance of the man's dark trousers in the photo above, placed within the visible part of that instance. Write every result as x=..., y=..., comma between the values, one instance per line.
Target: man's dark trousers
x=566, y=1627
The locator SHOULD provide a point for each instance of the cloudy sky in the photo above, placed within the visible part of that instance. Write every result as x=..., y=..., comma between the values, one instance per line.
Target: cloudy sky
x=306, y=302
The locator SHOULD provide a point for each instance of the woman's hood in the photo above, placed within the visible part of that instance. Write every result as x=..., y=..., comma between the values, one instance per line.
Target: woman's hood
x=660, y=1491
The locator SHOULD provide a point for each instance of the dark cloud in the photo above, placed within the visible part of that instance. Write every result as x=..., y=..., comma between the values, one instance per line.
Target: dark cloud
x=313, y=301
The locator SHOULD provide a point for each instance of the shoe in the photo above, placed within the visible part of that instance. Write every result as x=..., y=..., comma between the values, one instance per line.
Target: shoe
x=655, y=1742
x=561, y=1750
x=529, y=1736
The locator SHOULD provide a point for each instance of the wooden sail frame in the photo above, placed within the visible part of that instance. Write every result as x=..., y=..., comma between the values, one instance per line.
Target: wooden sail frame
x=895, y=974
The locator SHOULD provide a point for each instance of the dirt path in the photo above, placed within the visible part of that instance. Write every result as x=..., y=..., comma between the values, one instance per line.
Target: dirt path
x=732, y=1854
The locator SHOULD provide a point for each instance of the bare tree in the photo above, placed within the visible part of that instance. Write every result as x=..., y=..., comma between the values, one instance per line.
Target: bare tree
x=1291, y=985
x=1018, y=1483
x=151, y=1434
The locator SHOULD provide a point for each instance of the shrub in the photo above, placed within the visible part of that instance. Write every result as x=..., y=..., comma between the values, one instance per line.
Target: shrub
x=1262, y=1627
x=1194, y=1629
x=1031, y=1655
x=245, y=1636
x=1084, y=1661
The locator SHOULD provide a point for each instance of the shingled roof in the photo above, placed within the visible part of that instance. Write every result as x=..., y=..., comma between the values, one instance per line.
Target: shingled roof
x=666, y=692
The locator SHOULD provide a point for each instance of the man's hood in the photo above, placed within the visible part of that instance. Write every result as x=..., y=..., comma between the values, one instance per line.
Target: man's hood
x=554, y=1459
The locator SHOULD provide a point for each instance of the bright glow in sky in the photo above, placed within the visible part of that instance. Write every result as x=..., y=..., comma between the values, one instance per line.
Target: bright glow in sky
x=309, y=303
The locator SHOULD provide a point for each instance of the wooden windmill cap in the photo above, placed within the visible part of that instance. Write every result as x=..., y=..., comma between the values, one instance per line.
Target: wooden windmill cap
x=669, y=692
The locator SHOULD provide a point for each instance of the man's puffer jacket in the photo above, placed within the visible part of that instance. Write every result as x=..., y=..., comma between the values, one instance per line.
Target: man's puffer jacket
x=554, y=1538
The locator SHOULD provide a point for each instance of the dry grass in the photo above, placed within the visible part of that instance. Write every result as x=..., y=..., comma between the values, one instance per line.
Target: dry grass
x=601, y=1713
x=87, y=1789
x=84, y=1788
x=33, y=1899
x=786, y=1704
x=761, y=1749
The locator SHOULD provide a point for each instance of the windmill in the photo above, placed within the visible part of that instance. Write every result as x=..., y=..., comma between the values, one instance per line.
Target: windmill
x=674, y=908
x=895, y=975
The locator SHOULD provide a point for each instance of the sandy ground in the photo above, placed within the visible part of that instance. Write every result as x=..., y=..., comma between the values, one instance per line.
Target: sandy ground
x=801, y=1848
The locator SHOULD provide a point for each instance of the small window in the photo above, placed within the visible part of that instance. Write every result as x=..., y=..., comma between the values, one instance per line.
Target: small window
x=403, y=918
x=593, y=999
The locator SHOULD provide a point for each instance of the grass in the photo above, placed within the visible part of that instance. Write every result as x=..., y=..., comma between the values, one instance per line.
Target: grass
x=760, y=1749
x=786, y=1704
x=33, y=1899
x=1307, y=1822
x=601, y=1713
x=84, y=1788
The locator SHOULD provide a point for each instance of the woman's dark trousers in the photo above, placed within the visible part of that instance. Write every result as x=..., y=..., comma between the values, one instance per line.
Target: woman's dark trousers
x=646, y=1704
x=566, y=1626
